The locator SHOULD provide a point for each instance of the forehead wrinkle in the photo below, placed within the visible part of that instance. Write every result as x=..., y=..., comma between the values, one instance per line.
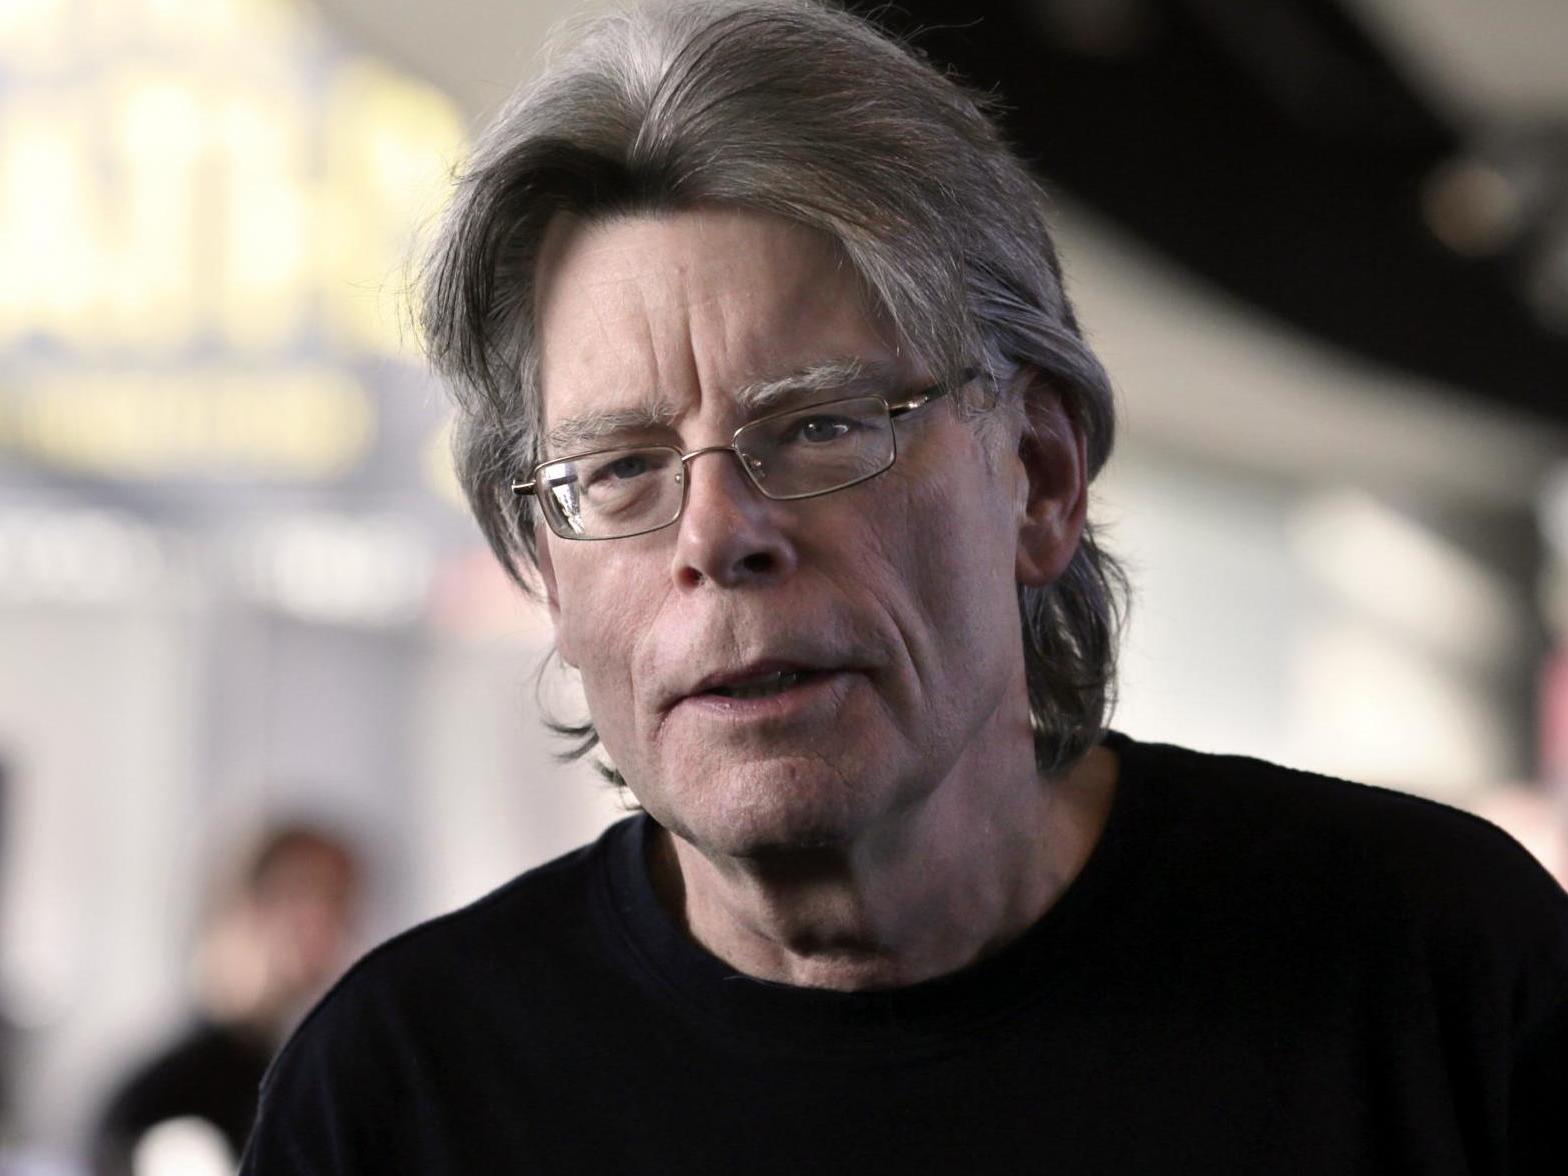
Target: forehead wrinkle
x=625, y=323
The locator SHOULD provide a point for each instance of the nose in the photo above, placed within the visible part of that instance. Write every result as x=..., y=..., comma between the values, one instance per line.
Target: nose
x=729, y=535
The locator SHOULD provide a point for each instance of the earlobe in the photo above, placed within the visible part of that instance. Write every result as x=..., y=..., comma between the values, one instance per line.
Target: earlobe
x=1053, y=454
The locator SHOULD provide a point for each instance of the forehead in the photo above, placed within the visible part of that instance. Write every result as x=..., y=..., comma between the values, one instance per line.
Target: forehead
x=671, y=308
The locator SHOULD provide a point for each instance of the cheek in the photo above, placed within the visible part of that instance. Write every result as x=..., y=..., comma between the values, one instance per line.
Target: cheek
x=952, y=546
x=593, y=618
x=948, y=578
x=605, y=613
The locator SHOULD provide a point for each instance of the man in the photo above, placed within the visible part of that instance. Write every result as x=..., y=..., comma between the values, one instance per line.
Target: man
x=764, y=363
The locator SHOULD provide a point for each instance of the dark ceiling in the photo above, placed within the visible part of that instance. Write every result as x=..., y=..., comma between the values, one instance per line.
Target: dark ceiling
x=1272, y=147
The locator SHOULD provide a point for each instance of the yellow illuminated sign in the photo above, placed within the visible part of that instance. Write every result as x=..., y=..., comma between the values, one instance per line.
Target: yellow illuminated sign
x=202, y=182
x=310, y=422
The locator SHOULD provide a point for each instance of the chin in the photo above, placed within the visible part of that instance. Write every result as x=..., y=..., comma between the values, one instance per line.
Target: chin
x=774, y=807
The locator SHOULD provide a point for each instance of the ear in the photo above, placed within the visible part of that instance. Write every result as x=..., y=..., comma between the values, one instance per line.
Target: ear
x=1055, y=502
x=552, y=599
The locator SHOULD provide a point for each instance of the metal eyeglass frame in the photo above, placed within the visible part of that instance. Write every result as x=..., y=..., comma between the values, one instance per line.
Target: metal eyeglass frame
x=902, y=407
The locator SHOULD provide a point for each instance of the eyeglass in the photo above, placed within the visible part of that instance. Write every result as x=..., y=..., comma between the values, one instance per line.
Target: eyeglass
x=798, y=453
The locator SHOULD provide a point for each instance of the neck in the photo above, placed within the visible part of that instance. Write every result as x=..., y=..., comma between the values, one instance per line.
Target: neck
x=947, y=884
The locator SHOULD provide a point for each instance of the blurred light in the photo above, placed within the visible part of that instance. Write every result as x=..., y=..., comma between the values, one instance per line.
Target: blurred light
x=336, y=569
x=389, y=146
x=183, y=1147
x=1510, y=196
x=305, y=422
x=32, y=32
x=1472, y=208
x=156, y=217
x=149, y=201
x=275, y=27
x=196, y=22
x=1370, y=708
x=77, y=556
x=1407, y=579
x=269, y=224
x=160, y=118
x=47, y=246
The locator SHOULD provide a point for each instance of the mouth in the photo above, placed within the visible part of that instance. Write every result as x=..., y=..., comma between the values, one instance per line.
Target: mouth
x=762, y=685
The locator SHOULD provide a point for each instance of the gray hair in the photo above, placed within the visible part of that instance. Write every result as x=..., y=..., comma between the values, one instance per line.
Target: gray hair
x=800, y=110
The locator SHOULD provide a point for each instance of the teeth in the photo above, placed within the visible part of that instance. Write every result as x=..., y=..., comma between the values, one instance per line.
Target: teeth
x=761, y=687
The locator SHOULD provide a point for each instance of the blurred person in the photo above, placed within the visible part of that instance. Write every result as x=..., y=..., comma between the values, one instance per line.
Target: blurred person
x=275, y=935
x=767, y=378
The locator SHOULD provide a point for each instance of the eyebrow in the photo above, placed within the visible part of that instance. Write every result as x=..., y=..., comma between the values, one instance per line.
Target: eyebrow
x=590, y=429
x=840, y=377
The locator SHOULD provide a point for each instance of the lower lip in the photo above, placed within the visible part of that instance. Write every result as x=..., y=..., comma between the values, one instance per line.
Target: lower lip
x=812, y=691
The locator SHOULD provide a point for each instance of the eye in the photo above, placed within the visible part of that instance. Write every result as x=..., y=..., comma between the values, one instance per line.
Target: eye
x=624, y=468
x=819, y=429
x=630, y=466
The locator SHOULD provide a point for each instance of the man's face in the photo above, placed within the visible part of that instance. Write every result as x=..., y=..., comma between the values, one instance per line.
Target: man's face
x=893, y=600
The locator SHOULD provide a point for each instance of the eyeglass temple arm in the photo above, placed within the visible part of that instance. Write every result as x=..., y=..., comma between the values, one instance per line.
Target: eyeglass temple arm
x=926, y=395
x=519, y=487
x=918, y=400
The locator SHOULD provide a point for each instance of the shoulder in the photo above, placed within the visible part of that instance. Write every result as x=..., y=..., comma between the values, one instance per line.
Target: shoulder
x=1285, y=806
x=363, y=1082
x=1372, y=854
x=531, y=933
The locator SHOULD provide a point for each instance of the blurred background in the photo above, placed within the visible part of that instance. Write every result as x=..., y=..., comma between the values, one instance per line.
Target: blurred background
x=1322, y=246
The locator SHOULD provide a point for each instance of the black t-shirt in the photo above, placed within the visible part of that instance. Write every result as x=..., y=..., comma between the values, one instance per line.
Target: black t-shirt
x=1257, y=970
x=210, y=1072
